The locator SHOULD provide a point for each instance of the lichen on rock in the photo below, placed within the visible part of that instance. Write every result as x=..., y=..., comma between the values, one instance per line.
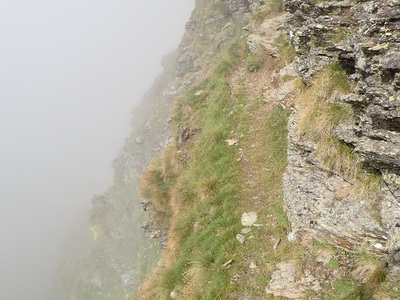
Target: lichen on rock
x=363, y=38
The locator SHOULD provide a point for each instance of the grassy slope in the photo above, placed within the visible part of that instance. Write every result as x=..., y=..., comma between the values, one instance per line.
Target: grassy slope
x=203, y=178
x=201, y=186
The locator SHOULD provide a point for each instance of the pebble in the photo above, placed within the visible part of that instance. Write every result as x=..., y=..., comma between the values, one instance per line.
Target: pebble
x=240, y=238
x=249, y=218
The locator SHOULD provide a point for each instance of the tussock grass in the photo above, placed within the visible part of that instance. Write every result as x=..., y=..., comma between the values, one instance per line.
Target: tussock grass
x=259, y=16
x=201, y=190
x=255, y=61
x=276, y=5
x=367, y=185
x=346, y=289
x=389, y=289
x=287, y=51
x=270, y=7
x=369, y=271
x=365, y=274
x=155, y=188
x=337, y=156
x=319, y=115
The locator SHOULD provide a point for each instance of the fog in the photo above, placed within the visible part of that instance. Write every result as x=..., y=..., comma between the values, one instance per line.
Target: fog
x=70, y=72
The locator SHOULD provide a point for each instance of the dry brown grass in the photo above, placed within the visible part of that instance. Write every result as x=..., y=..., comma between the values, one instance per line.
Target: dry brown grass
x=337, y=156
x=318, y=113
x=151, y=289
x=194, y=279
x=171, y=164
x=154, y=188
x=370, y=272
x=318, y=116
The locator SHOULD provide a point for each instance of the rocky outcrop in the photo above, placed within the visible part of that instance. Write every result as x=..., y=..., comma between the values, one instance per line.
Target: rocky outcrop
x=238, y=8
x=289, y=282
x=318, y=205
x=363, y=37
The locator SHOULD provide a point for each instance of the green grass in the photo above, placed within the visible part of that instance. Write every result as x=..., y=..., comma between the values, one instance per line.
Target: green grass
x=345, y=289
x=332, y=264
x=259, y=16
x=270, y=7
x=255, y=61
x=287, y=51
x=202, y=197
x=276, y=5
x=266, y=130
x=206, y=196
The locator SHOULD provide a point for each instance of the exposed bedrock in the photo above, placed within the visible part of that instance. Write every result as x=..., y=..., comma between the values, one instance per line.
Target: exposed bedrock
x=364, y=38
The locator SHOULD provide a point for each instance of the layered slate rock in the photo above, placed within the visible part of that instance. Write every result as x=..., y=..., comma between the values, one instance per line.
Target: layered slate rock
x=238, y=8
x=318, y=205
x=289, y=282
x=364, y=38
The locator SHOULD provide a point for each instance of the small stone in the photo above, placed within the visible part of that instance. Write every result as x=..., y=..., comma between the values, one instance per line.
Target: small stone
x=378, y=246
x=198, y=93
x=288, y=70
x=232, y=142
x=240, y=238
x=292, y=237
x=246, y=230
x=235, y=278
x=248, y=219
x=226, y=25
x=253, y=265
x=173, y=295
x=247, y=28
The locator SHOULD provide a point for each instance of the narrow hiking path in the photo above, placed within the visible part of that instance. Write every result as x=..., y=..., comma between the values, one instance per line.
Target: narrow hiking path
x=262, y=157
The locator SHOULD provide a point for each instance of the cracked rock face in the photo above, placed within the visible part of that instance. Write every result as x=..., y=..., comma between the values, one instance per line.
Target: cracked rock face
x=364, y=38
x=318, y=205
x=238, y=8
x=287, y=281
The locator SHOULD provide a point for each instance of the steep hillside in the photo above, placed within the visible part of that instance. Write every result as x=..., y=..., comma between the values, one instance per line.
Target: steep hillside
x=267, y=155
x=123, y=249
x=224, y=185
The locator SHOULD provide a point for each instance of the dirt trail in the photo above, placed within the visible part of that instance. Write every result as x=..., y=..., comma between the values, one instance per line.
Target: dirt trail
x=261, y=166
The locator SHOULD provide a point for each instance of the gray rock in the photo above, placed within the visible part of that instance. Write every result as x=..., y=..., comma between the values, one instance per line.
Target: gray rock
x=238, y=8
x=288, y=282
x=215, y=18
x=255, y=4
x=288, y=70
x=283, y=282
x=245, y=230
x=318, y=206
x=366, y=43
x=249, y=219
x=253, y=265
x=240, y=238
